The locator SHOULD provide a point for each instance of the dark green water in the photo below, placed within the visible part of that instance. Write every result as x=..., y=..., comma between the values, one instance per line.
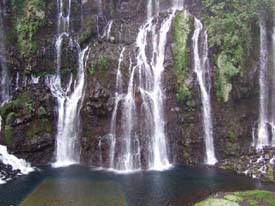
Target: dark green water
x=81, y=186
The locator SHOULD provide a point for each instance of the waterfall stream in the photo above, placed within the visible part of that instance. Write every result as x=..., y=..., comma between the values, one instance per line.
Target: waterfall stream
x=202, y=70
x=273, y=87
x=5, y=79
x=142, y=117
x=262, y=139
x=69, y=98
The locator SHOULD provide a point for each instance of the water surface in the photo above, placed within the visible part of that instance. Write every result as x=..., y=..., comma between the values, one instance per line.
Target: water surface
x=82, y=186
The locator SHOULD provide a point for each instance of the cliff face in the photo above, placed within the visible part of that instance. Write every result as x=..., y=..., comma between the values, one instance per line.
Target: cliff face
x=29, y=119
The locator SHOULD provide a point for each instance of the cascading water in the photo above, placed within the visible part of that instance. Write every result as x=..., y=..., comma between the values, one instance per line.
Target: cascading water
x=5, y=80
x=262, y=136
x=142, y=105
x=273, y=88
x=69, y=98
x=118, y=98
x=14, y=162
x=202, y=70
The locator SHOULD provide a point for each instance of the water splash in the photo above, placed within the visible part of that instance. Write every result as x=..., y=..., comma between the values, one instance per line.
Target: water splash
x=202, y=70
x=17, y=164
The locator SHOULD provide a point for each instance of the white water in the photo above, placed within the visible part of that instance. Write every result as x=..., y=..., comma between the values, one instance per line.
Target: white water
x=202, y=70
x=5, y=79
x=262, y=137
x=178, y=4
x=273, y=89
x=107, y=31
x=118, y=98
x=142, y=105
x=17, y=164
x=69, y=98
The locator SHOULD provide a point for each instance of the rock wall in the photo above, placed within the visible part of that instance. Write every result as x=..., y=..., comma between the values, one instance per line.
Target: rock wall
x=29, y=120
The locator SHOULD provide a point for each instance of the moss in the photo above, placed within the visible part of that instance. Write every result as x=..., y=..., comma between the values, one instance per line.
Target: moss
x=42, y=111
x=253, y=202
x=270, y=174
x=259, y=194
x=38, y=127
x=182, y=27
x=216, y=202
x=88, y=31
x=10, y=118
x=103, y=62
x=186, y=155
x=249, y=198
x=13, y=105
x=233, y=198
x=29, y=17
x=270, y=201
x=8, y=133
x=226, y=70
x=30, y=107
x=181, y=31
x=91, y=70
x=232, y=135
x=184, y=95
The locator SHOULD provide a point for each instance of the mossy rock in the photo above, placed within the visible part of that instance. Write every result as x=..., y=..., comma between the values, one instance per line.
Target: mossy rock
x=233, y=198
x=217, y=202
x=38, y=127
x=246, y=198
x=28, y=19
x=182, y=28
x=226, y=70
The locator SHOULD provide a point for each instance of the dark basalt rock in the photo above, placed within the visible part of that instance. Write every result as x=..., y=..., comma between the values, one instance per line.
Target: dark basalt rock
x=7, y=173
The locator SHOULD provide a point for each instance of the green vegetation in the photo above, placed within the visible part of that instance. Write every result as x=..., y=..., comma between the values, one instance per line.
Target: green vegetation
x=232, y=135
x=246, y=198
x=182, y=27
x=226, y=70
x=103, y=62
x=217, y=202
x=8, y=134
x=231, y=27
x=184, y=95
x=28, y=18
x=91, y=70
x=22, y=108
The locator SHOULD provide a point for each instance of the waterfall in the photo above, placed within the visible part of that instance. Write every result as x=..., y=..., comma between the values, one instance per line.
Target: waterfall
x=202, y=70
x=142, y=133
x=5, y=79
x=107, y=31
x=118, y=98
x=178, y=4
x=273, y=88
x=262, y=137
x=69, y=98
x=99, y=7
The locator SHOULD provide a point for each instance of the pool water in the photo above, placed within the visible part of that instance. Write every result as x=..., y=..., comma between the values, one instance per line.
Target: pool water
x=83, y=186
